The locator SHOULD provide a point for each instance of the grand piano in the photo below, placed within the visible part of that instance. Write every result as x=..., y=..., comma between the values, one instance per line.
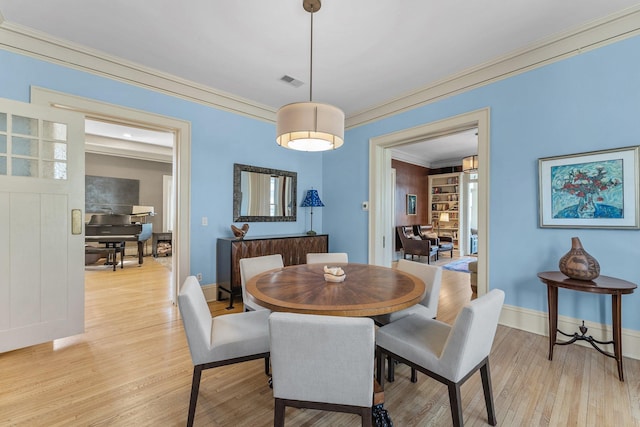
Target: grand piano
x=114, y=230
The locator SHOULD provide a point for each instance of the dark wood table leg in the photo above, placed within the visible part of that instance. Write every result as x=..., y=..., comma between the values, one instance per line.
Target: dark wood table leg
x=552, y=301
x=616, y=314
x=122, y=255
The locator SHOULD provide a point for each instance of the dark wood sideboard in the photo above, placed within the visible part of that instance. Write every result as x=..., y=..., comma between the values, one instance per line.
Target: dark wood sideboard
x=229, y=251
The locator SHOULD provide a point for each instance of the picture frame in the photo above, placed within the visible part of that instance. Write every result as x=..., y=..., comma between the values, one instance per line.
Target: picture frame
x=597, y=189
x=412, y=200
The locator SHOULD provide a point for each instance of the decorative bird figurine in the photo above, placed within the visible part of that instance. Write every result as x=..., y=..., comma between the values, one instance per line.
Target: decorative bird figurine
x=240, y=232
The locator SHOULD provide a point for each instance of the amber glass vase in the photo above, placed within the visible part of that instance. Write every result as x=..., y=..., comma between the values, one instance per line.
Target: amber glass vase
x=578, y=264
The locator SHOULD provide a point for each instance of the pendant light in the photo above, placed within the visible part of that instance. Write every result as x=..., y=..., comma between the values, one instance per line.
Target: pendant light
x=470, y=164
x=310, y=126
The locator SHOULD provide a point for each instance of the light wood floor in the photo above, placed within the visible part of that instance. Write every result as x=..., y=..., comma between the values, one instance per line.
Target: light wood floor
x=132, y=368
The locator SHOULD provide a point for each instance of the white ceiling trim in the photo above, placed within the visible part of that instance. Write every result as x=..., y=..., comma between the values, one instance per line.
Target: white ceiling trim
x=408, y=158
x=599, y=33
x=130, y=149
x=42, y=46
x=35, y=44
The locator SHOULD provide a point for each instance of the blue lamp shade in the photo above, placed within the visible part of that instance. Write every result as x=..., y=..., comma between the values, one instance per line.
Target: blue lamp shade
x=312, y=200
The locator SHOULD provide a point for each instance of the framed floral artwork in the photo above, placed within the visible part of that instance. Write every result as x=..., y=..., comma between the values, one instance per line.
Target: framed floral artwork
x=597, y=189
x=411, y=204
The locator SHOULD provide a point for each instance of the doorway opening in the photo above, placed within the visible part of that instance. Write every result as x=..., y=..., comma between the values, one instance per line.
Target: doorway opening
x=381, y=230
x=181, y=155
x=116, y=150
x=422, y=167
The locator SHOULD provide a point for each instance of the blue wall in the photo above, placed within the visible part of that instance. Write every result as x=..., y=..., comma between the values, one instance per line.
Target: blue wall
x=584, y=103
x=219, y=139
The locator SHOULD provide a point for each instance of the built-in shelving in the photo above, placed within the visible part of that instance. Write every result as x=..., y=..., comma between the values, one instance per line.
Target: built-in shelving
x=445, y=205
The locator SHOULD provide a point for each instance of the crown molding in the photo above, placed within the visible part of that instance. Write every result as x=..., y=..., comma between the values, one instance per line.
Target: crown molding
x=39, y=45
x=408, y=158
x=596, y=34
x=131, y=149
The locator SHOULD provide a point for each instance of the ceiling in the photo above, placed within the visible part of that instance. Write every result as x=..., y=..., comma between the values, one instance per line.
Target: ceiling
x=439, y=152
x=366, y=53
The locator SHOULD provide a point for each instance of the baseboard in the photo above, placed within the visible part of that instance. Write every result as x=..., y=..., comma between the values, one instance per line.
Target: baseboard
x=537, y=322
x=210, y=292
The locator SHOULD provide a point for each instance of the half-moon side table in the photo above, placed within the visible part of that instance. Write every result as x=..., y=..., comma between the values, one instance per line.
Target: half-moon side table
x=601, y=285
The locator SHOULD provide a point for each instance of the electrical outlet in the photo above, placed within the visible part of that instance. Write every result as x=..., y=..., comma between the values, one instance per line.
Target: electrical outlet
x=199, y=277
x=205, y=220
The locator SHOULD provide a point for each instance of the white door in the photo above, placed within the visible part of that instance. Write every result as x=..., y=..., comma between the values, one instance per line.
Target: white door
x=41, y=224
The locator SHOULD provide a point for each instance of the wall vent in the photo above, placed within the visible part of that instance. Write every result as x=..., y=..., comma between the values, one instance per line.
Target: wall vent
x=291, y=81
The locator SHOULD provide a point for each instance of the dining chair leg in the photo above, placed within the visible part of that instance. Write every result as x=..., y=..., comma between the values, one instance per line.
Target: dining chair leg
x=278, y=413
x=391, y=371
x=267, y=366
x=195, y=387
x=367, y=417
x=488, y=392
x=379, y=366
x=414, y=375
x=455, y=400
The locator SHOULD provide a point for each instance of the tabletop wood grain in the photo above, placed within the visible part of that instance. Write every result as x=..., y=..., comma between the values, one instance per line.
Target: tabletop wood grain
x=368, y=290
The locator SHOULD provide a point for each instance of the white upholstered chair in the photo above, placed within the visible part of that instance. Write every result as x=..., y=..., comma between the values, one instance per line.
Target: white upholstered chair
x=327, y=258
x=428, y=307
x=250, y=267
x=322, y=362
x=449, y=354
x=219, y=341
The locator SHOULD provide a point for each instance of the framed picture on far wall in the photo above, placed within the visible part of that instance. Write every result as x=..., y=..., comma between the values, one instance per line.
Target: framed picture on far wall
x=411, y=204
x=597, y=189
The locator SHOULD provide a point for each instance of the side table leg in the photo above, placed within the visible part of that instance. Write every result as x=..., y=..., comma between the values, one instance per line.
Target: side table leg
x=616, y=314
x=552, y=302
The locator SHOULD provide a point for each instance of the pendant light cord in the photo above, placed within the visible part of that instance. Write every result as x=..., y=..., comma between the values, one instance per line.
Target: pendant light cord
x=311, y=61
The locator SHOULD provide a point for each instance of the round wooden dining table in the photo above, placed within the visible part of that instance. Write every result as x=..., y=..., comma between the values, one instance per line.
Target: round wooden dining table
x=367, y=290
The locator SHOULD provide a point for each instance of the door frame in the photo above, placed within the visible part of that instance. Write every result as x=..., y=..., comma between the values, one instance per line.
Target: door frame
x=380, y=192
x=181, y=162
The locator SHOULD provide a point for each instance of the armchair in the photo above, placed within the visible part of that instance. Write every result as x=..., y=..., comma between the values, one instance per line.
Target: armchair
x=219, y=341
x=327, y=258
x=448, y=354
x=444, y=243
x=334, y=373
x=473, y=244
x=413, y=244
x=250, y=267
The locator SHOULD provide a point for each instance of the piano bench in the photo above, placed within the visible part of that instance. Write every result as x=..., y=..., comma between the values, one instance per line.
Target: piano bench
x=111, y=253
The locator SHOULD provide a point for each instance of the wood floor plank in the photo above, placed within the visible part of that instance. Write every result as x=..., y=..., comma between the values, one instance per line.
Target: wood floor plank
x=132, y=367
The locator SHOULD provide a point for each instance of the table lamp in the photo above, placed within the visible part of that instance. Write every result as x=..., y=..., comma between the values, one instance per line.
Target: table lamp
x=312, y=200
x=444, y=217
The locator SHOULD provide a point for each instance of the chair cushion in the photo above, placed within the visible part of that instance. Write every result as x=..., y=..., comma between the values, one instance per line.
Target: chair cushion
x=445, y=246
x=239, y=334
x=430, y=234
x=415, y=309
x=417, y=338
x=449, y=351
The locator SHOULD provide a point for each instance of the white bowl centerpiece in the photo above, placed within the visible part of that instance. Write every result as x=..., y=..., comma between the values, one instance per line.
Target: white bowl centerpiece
x=334, y=274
